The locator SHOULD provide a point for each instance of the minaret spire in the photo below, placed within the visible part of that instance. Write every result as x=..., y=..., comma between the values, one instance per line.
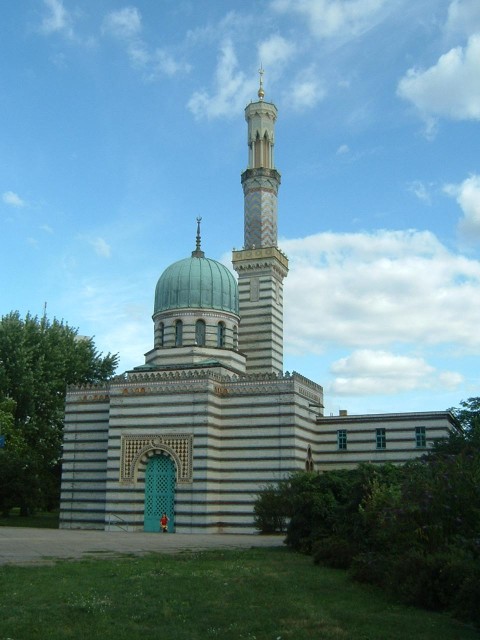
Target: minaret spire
x=261, y=92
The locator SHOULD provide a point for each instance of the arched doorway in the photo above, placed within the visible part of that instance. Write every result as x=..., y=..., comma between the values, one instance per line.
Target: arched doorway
x=159, y=492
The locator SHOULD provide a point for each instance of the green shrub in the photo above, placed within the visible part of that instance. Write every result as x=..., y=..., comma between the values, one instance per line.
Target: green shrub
x=411, y=529
x=466, y=600
x=299, y=530
x=324, y=505
x=433, y=581
x=370, y=567
x=270, y=511
x=447, y=580
x=334, y=552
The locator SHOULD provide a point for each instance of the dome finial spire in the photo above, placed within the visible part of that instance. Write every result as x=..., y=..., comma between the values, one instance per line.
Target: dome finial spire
x=261, y=92
x=198, y=253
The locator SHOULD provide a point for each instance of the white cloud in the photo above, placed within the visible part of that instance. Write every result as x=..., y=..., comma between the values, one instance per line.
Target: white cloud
x=125, y=23
x=380, y=289
x=113, y=313
x=379, y=372
x=306, y=91
x=130, y=337
x=421, y=191
x=233, y=25
x=467, y=195
x=450, y=88
x=333, y=18
x=379, y=363
x=463, y=17
x=58, y=19
x=102, y=248
x=13, y=199
x=275, y=52
x=138, y=54
x=343, y=149
x=59, y=59
x=165, y=64
x=450, y=379
x=232, y=89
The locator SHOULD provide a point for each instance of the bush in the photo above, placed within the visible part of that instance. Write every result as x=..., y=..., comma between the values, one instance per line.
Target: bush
x=412, y=529
x=324, y=505
x=370, y=567
x=447, y=580
x=334, y=552
x=434, y=581
x=466, y=601
x=417, y=579
x=270, y=511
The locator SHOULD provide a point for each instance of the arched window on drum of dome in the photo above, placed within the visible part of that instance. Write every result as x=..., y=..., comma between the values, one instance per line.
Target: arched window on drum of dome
x=235, y=337
x=221, y=334
x=178, y=333
x=161, y=334
x=200, y=333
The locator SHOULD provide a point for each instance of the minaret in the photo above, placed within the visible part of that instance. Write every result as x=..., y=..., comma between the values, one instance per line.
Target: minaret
x=261, y=266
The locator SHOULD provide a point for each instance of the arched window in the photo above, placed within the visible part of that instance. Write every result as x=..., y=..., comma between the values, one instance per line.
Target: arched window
x=257, y=151
x=309, y=464
x=266, y=151
x=221, y=334
x=235, y=337
x=178, y=333
x=200, y=333
x=161, y=334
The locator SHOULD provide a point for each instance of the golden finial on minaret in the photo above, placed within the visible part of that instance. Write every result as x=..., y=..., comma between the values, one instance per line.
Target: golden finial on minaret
x=261, y=92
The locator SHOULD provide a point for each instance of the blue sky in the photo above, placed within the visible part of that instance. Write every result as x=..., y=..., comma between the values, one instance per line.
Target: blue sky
x=121, y=123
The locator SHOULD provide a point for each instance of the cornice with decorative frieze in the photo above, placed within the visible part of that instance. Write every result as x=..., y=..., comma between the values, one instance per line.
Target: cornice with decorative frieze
x=261, y=172
x=258, y=257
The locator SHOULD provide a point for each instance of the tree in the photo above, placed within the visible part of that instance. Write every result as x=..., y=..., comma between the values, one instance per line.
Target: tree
x=38, y=360
x=468, y=414
x=465, y=439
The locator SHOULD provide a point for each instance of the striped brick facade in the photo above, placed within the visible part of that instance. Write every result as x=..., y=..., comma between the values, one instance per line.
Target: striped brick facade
x=260, y=287
x=361, y=442
x=260, y=189
x=228, y=436
x=84, y=460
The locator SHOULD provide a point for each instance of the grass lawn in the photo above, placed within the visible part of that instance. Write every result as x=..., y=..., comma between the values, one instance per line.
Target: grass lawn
x=42, y=519
x=255, y=594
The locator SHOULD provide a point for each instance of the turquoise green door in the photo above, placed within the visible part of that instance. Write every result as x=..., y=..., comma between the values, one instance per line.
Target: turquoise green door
x=159, y=492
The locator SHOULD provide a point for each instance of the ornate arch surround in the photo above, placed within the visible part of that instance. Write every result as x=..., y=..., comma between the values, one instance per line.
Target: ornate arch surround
x=136, y=450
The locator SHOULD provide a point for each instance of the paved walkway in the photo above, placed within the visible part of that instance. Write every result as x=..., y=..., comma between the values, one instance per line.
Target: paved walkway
x=20, y=545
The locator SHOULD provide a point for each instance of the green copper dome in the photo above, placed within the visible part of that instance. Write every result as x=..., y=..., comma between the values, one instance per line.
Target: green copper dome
x=196, y=282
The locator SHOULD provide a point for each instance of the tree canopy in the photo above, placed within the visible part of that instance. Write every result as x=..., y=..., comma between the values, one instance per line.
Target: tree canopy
x=39, y=358
x=468, y=414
